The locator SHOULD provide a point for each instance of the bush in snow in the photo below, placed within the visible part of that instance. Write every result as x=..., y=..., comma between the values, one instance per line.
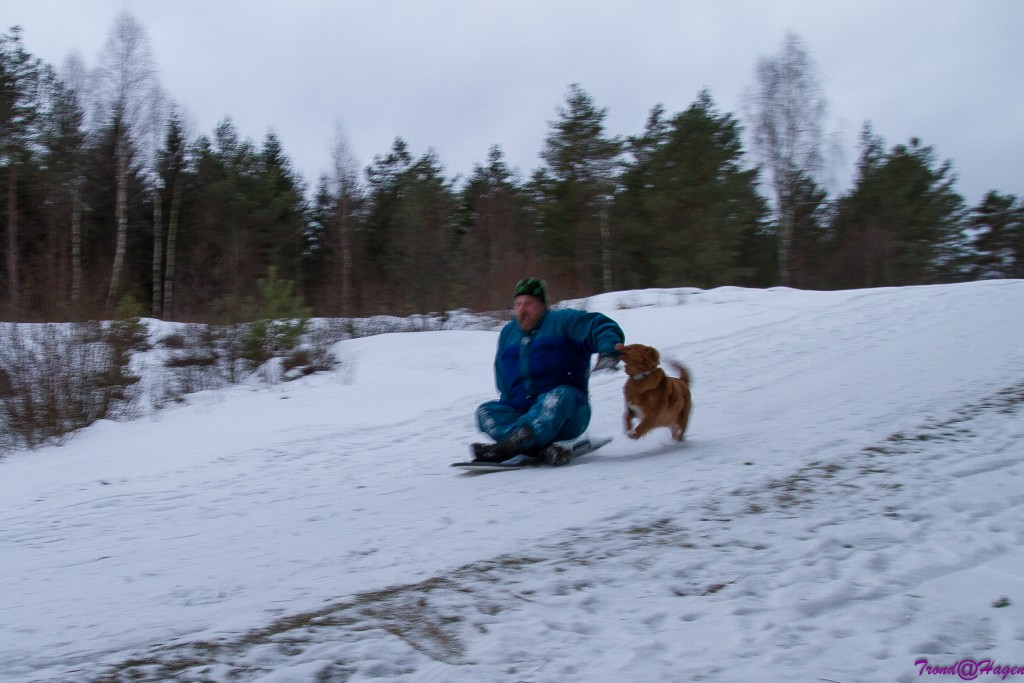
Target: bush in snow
x=59, y=378
x=276, y=321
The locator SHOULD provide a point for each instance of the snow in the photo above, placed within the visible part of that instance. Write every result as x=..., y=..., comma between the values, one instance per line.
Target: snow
x=848, y=506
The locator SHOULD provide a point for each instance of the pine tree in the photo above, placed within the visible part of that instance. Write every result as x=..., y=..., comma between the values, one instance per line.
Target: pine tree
x=687, y=200
x=811, y=233
x=222, y=261
x=574, y=189
x=280, y=210
x=998, y=225
x=175, y=173
x=19, y=112
x=498, y=244
x=63, y=145
x=384, y=180
x=895, y=224
x=319, y=248
x=422, y=260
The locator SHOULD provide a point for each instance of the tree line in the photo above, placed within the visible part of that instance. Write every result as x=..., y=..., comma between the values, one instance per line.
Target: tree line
x=107, y=196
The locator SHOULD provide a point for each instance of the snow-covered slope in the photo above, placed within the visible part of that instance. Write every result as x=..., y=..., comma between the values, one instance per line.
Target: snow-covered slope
x=848, y=506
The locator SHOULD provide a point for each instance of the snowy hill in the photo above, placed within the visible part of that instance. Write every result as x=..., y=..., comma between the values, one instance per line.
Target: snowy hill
x=848, y=506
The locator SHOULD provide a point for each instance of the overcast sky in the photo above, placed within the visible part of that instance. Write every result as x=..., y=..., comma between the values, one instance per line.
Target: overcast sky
x=461, y=75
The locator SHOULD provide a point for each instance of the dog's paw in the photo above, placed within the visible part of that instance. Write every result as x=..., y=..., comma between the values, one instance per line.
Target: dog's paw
x=632, y=434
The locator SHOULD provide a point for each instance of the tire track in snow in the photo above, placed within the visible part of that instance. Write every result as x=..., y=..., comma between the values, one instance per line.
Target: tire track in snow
x=729, y=548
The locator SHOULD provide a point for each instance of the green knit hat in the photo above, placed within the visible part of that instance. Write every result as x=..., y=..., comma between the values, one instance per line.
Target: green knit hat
x=532, y=286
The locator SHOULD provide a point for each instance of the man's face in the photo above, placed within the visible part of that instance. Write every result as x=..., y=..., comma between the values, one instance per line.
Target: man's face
x=528, y=311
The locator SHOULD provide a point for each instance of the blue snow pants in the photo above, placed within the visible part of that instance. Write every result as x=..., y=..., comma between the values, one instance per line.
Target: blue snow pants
x=562, y=413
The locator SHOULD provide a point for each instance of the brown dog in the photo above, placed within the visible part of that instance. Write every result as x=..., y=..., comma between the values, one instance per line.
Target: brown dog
x=653, y=397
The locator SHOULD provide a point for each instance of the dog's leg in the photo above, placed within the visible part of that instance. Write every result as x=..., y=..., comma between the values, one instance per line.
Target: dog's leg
x=632, y=413
x=684, y=419
x=642, y=428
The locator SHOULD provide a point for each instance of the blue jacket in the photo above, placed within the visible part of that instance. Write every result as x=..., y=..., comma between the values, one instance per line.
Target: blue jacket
x=555, y=353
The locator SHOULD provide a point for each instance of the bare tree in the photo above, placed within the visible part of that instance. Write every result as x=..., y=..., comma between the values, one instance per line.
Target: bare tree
x=345, y=179
x=130, y=100
x=788, y=109
x=156, y=183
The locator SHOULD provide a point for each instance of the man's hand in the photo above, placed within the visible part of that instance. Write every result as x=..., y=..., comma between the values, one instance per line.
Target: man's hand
x=606, y=361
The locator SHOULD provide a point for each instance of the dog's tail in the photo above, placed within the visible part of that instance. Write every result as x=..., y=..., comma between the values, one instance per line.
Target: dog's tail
x=684, y=374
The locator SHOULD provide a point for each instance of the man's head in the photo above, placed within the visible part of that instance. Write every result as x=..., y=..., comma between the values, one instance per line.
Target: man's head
x=529, y=302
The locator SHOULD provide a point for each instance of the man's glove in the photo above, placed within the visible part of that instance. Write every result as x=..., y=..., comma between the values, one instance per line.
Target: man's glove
x=606, y=361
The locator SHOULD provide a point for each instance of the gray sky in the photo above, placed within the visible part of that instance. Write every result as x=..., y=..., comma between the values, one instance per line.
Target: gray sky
x=460, y=75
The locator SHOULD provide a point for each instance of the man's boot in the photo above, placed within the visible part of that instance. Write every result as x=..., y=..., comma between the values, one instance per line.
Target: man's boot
x=515, y=443
x=555, y=454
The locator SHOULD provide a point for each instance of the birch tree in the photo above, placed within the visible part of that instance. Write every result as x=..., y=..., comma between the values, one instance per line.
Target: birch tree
x=345, y=182
x=788, y=113
x=130, y=102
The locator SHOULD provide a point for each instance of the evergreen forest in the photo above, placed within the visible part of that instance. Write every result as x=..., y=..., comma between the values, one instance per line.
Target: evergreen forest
x=106, y=197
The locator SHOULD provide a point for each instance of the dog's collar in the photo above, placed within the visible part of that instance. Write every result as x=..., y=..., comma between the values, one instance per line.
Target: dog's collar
x=642, y=375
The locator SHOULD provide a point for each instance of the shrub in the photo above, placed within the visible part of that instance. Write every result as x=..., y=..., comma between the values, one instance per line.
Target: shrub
x=58, y=379
x=277, y=319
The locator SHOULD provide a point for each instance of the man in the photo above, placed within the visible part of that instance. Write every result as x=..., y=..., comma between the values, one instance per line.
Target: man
x=542, y=369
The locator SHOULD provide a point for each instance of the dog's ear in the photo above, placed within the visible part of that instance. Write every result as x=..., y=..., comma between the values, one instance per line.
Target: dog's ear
x=653, y=357
x=619, y=347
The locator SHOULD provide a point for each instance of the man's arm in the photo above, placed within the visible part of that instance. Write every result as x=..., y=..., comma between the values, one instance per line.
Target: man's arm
x=595, y=331
x=505, y=337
